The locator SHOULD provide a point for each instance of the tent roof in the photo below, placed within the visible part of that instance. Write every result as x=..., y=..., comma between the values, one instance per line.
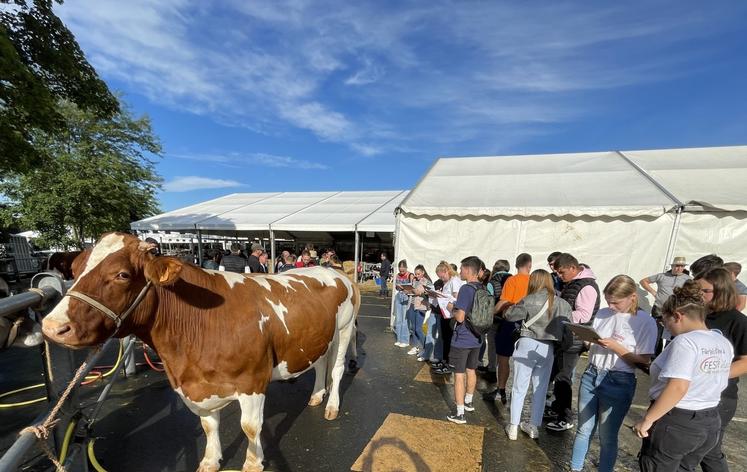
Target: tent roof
x=284, y=211
x=612, y=183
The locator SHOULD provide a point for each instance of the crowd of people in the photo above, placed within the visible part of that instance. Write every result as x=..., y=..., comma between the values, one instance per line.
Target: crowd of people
x=256, y=259
x=693, y=345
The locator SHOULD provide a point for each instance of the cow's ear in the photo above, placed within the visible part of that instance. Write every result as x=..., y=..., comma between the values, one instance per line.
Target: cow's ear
x=163, y=270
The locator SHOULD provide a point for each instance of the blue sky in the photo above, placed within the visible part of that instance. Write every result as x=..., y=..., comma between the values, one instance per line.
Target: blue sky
x=303, y=95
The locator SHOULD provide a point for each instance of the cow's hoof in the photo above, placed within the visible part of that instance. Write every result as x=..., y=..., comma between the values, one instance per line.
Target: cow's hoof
x=316, y=399
x=330, y=413
x=208, y=467
x=252, y=468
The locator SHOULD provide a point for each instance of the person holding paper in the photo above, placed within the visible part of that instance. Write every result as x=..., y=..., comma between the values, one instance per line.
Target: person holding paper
x=687, y=380
x=402, y=287
x=628, y=337
x=542, y=314
x=420, y=317
x=451, y=285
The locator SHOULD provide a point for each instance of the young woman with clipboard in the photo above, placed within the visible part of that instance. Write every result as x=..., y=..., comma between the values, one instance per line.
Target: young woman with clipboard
x=628, y=338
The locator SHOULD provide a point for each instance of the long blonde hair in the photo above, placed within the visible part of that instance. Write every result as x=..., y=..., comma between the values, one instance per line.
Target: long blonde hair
x=542, y=280
x=444, y=266
x=622, y=286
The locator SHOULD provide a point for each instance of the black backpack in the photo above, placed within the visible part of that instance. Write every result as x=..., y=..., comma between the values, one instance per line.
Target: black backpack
x=480, y=318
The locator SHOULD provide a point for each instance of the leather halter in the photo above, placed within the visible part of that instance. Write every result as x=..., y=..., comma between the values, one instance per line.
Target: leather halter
x=118, y=319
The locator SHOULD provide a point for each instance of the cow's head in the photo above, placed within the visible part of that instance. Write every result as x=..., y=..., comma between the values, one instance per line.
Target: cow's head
x=112, y=273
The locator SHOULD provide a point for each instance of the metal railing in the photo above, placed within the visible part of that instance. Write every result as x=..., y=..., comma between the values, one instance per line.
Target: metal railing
x=48, y=288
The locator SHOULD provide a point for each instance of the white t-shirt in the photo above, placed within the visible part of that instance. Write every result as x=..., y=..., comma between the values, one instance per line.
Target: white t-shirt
x=637, y=333
x=703, y=358
x=450, y=287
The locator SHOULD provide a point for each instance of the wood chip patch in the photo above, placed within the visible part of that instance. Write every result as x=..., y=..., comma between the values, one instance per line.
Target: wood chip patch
x=425, y=375
x=410, y=444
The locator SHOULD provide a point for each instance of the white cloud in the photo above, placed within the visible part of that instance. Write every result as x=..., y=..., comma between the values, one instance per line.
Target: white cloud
x=240, y=160
x=193, y=182
x=379, y=80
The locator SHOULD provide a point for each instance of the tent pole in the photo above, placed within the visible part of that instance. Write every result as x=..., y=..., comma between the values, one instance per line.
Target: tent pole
x=199, y=247
x=673, y=238
x=271, y=265
x=357, y=254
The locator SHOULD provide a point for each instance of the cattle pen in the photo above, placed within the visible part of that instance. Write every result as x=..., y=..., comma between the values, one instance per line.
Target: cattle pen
x=392, y=417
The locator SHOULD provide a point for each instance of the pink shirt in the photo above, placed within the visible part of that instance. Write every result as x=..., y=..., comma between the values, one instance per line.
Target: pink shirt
x=586, y=299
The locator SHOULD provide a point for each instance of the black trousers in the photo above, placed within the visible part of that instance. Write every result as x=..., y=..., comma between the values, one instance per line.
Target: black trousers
x=563, y=387
x=679, y=440
x=446, y=333
x=715, y=460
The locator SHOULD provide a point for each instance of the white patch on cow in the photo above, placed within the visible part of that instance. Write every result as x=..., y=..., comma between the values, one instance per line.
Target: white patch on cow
x=207, y=405
x=262, y=320
x=283, y=280
x=324, y=275
x=232, y=278
x=280, y=371
x=262, y=281
x=301, y=281
x=58, y=314
x=280, y=311
x=110, y=244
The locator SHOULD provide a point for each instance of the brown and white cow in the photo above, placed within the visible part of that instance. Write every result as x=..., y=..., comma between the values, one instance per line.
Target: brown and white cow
x=222, y=336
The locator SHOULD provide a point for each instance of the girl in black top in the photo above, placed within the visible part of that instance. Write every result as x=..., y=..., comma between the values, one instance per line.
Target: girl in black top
x=720, y=296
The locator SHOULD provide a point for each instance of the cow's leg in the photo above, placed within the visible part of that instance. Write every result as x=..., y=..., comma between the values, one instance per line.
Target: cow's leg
x=352, y=353
x=340, y=344
x=210, y=422
x=252, y=415
x=320, y=372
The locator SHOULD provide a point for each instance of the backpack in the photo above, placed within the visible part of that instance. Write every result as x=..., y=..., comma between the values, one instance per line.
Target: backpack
x=480, y=318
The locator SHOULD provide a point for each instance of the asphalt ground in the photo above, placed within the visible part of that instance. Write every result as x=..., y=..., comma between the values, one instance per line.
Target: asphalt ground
x=145, y=427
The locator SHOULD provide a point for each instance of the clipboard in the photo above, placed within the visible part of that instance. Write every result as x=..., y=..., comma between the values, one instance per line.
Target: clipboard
x=584, y=333
x=436, y=293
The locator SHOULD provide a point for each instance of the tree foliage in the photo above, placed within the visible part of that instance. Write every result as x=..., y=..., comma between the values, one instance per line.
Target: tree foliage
x=99, y=176
x=40, y=64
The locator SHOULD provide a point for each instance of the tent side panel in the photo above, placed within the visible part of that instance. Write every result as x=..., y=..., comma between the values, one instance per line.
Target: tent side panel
x=636, y=247
x=719, y=233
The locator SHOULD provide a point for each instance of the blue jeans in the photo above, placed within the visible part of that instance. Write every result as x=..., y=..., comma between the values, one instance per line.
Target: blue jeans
x=401, y=327
x=604, y=399
x=427, y=341
x=423, y=341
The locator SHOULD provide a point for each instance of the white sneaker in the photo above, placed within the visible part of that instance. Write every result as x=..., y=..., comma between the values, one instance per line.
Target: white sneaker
x=413, y=351
x=529, y=429
x=399, y=344
x=512, y=431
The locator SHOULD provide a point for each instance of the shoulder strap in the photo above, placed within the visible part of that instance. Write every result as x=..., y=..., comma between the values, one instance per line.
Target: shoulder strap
x=537, y=316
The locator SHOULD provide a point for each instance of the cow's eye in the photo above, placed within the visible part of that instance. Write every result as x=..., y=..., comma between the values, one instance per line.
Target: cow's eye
x=123, y=276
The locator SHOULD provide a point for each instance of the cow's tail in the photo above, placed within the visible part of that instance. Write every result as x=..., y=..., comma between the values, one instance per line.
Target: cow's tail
x=353, y=346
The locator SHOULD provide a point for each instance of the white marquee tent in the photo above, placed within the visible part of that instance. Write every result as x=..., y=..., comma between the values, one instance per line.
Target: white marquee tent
x=285, y=215
x=620, y=212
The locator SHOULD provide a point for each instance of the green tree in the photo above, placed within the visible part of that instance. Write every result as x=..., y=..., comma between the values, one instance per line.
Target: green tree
x=40, y=64
x=99, y=177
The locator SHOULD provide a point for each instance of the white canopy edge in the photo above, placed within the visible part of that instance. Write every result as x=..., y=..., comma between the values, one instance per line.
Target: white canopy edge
x=597, y=184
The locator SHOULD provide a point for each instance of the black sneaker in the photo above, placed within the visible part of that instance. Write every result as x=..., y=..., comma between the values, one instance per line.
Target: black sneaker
x=559, y=425
x=490, y=396
x=437, y=365
x=469, y=406
x=549, y=414
x=504, y=399
x=458, y=419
